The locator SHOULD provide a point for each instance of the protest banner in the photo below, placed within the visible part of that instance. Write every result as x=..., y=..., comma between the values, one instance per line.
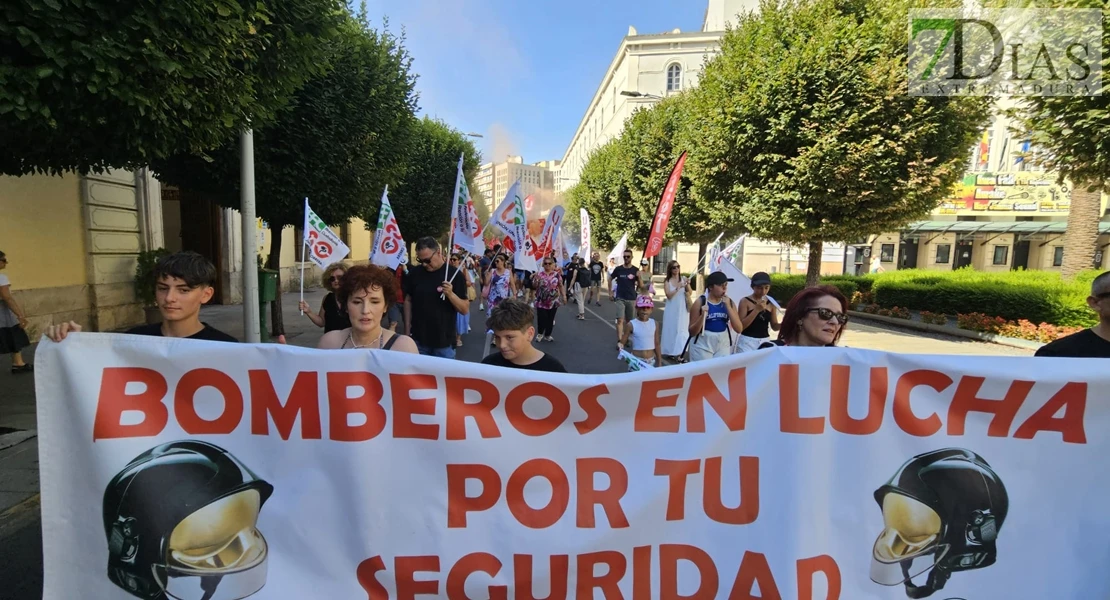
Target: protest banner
x=176, y=468
x=663, y=210
x=587, y=234
x=389, y=249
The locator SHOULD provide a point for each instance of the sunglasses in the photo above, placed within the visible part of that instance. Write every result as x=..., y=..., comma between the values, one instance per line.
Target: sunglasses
x=336, y=278
x=825, y=314
x=427, y=261
x=1101, y=296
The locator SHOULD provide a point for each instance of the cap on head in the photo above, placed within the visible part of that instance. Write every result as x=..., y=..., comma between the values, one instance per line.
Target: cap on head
x=717, y=278
x=643, y=261
x=645, y=302
x=761, y=278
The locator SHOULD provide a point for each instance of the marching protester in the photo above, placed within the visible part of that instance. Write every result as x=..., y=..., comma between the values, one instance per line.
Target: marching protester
x=431, y=305
x=758, y=315
x=462, y=321
x=512, y=324
x=814, y=317
x=645, y=284
x=366, y=293
x=484, y=265
x=643, y=334
x=13, y=336
x=499, y=284
x=182, y=283
x=333, y=314
x=579, y=283
x=676, y=312
x=713, y=321
x=596, y=269
x=394, y=317
x=1095, y=341
x=550, y=293
x=625, y=285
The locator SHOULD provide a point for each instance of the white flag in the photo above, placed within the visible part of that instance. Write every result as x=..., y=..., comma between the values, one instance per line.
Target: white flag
x=635, y=363
x=550, y=234
x=509, y=218
x=618, y=252
x=324, y=247
x=727, y=255
x=389, y=249
x=465, y=227
x=587, y=234
x=714, y=252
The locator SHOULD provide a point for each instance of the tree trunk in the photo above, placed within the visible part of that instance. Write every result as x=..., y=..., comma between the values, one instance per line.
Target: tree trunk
x=813, y=274
x=698, y=278
x=273, y=262
x=1081, y=237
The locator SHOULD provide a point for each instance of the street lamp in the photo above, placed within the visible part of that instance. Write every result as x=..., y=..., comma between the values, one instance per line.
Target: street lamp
x=640, y=95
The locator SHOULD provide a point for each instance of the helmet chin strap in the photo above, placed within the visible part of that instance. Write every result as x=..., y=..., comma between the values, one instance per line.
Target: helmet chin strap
x=209, y=585
x=938, y=576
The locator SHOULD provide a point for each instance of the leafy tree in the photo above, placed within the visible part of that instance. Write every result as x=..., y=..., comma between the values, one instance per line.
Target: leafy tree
x=88, y=85
x=422, y=197
x=805, y=132
x=338, y=143
x=627, y=176
x=1075, y=132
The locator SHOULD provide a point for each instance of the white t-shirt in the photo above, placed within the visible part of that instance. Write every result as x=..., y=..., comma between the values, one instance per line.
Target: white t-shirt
x=4, y=280
x=643, y=334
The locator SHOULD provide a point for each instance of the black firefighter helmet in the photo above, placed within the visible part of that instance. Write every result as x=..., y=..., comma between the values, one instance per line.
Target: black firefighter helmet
x=180, y=520
x=942, y=512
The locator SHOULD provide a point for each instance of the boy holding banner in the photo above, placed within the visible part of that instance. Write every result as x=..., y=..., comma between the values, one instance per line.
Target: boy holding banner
x=183, y=282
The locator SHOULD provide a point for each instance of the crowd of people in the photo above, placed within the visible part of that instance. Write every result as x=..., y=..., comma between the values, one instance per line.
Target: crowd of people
x=425, y=308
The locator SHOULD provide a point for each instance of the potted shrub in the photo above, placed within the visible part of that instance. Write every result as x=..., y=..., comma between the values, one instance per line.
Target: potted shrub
x=144, y=283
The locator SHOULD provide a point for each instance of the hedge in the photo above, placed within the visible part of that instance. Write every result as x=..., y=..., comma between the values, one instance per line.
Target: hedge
x=785, y=287
x=1037, y=296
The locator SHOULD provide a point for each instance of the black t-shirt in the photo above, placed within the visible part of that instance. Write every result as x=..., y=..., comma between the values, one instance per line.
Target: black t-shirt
x=627, y=279
x=584, y=277
x=596, y=267
x=545, y=363
x=1085, y=344
x=209, y=333
x=433, y=319
x=335, y=316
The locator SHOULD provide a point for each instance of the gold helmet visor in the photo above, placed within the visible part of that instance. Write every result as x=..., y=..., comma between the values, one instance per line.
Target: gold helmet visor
x=909, y=543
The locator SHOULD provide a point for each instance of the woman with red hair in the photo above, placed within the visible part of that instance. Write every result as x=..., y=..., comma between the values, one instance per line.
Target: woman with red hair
x=814, y=317
x=367, y=292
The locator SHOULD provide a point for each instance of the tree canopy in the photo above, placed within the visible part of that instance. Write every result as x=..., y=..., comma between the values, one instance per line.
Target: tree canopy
x=87, y=85
x=422, y=197
x=805, y=132
x=338, y=143
x=1073, y=133
x=626, y=177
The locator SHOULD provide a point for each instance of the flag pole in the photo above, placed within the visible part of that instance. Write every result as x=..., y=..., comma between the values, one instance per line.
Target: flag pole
x=454, y=217
x=303, y=248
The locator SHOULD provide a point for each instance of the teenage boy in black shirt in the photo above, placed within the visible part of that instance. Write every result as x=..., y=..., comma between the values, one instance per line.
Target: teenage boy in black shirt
x=183, y=282
x=513, y=330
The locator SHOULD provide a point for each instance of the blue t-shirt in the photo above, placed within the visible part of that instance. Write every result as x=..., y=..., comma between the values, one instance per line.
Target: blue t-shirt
x=626, y=278
x=717, y=319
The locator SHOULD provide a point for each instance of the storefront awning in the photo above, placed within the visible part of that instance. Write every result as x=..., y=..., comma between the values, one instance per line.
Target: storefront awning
x=1019, y=227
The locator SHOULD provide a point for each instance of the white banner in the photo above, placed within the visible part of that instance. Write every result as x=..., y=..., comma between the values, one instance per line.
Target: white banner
x=587, y=234
x=324, y=247
x=184, y=469
x=390, y=250
x=618, y=253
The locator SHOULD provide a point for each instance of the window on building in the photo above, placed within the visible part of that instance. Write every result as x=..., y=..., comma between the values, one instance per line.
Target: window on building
x=886, y=253
x=944, y=253
x=1057, y=256
x=1001, y=255
x=674, y=78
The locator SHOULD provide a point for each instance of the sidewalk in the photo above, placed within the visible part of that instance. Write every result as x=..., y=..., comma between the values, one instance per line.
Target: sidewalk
x=19, y=451
x=299, y=330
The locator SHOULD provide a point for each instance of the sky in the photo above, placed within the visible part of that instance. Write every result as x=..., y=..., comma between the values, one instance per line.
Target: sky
x=520, y=72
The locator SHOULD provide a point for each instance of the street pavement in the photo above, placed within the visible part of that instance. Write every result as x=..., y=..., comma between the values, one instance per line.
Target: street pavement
x=582, y=346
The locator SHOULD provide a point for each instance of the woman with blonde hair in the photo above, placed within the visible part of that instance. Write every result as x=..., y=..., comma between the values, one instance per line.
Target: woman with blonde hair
x=332, y=315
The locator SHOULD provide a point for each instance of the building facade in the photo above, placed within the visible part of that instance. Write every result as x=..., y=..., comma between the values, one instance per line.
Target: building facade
x=536, y=180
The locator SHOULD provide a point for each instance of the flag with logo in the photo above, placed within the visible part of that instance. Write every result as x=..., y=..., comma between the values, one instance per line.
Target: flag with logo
x=714, y=252
x=509, y=218
x=389, y=249
x=551, y=228
x=466, y=231
x=323, y=246
x=634, y=363
x=729, y=254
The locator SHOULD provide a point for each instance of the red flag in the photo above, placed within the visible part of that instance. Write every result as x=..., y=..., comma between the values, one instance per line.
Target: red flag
x=507, y=244
x=663, y=211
